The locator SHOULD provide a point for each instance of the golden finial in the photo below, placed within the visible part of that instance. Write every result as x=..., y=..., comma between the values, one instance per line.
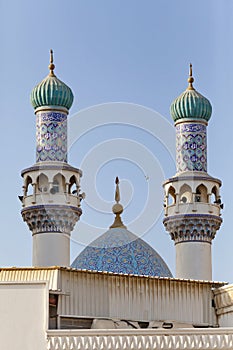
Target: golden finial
x=117, y=208
x=117, y=193
x=190, y=78
x=51, y=65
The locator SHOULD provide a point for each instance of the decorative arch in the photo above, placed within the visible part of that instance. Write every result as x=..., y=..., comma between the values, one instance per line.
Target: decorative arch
x=171, y=196
x=28, y=186
x=185, y=194
x=73, y=185
x=201, y=194
x=42, y=183
x=214, y=195
x=59, y=184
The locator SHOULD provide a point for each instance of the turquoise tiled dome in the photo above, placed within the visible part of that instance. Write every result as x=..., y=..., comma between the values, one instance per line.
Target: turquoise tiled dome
x=119, y=250
x=52, y=91
x=191, y=104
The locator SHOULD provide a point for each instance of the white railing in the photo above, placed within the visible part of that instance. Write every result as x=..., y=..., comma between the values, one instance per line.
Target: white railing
x=189, y=208
x=89, y=339
x=47, y=198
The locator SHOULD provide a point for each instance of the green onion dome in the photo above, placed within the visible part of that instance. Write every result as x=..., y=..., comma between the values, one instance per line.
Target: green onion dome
x=191, y=104
x=51, y=91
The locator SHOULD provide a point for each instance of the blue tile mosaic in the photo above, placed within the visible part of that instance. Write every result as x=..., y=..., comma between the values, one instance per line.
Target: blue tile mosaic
x=120, y=251
x=191, y=149
x=51, y=136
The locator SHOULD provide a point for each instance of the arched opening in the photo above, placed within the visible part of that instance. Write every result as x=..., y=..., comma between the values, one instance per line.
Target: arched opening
x=171, y=196
x=73, y=188
x=55, y=188
x=185, y=194
x=29, y=190
x=28, y=186
x=201, y=194
x=42, y=184
x=215, y=198
x=59, y=184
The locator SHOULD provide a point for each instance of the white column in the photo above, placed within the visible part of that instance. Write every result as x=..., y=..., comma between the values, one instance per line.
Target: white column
x=51, y=249
x=193, y=260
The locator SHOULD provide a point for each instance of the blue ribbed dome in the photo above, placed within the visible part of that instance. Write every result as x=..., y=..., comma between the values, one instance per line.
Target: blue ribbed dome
x=191, y=104
x=52, y=91
x=120, y=251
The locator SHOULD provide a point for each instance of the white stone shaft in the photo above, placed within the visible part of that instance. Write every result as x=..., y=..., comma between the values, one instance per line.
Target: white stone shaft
x=194, y=260
x=51, y=249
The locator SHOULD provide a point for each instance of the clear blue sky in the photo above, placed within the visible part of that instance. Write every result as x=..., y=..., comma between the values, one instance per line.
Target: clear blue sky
x=115, y=51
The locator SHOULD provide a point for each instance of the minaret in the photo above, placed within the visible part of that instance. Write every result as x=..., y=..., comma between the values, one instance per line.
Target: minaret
x=51, y=199
x=192, y=200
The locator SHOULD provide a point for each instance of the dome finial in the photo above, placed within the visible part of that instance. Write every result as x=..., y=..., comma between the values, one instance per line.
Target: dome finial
x=117, y=208
x=117, y=193
x=51, y=65
x=190, y=78
x=190, y=104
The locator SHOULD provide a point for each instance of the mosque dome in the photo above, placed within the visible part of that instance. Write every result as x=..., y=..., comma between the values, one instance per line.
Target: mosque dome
x=119, y=250
x=51, y=91
x=191, y=104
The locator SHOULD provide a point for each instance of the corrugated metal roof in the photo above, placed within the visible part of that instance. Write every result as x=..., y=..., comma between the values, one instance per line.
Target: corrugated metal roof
x=51, y=274
x=31, y=274
x=217, y=283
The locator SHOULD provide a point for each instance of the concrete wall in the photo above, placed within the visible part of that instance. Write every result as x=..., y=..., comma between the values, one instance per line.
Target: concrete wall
x=23, y=316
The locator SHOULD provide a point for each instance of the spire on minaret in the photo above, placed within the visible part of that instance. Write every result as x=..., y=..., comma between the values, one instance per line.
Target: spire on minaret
x=117, y=193
x=51, y=91
x=51, y=65
x=117, y=207
x=190, y=78
x=193, y=108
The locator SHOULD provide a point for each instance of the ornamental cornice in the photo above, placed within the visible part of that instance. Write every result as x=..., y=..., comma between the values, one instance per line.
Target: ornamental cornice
x=60, y=167
x=194, y=177
x=191, y=120
x=51, y=218
x=192, y=227
x=51, y=109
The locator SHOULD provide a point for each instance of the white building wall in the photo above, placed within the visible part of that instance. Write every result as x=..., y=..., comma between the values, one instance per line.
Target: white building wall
x=224, y=305
x=23, y=316
x=99, y=294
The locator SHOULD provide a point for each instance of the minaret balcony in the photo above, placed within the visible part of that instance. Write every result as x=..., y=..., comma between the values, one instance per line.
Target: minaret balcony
x=48, y=198
x=192, y=208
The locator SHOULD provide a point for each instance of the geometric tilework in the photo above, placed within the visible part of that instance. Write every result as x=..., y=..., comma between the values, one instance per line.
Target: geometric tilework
x=51, y=136
x=118, y=250
x=191, y=148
